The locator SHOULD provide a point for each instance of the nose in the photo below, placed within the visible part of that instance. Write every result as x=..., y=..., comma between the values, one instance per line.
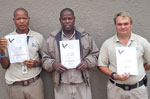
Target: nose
x=122, y=26
x=67, y=20
x=21, y=20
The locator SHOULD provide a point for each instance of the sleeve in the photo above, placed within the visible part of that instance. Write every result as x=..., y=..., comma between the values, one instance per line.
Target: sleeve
x=42, y=42
x=147, y=51
x=103, y=59
x=92, y=55
x=47, y=59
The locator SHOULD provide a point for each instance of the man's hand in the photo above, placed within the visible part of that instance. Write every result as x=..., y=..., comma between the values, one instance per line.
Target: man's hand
x=58, y=67
x=3, y=44
x=29, y=63
x=82, y=66
x=122, y=77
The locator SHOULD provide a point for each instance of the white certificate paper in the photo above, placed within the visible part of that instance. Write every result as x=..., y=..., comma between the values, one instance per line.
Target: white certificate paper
x=70, y=53
x=17, y=48
x=126, y=60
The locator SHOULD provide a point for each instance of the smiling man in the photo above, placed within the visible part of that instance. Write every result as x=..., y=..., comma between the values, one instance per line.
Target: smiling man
x=23, y=84
x=125, y=84
x=70, y=83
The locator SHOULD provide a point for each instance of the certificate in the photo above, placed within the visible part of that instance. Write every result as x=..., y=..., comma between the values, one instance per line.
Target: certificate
x=70, y=53
x=126, y=60
x=17, y=48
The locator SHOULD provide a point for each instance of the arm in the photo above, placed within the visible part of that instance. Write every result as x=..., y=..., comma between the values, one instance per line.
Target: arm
x=33, y=63
x=108, y=72
x=47, y=59
x=49, y=63
x=36, y=63
x=49, y=55
x=104, y=61
x=92, y=55
x=4, y=61
x=147, y=66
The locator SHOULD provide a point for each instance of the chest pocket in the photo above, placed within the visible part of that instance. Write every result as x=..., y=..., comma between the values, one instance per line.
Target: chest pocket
x=86, y=49
x=53, y=49
x=33, y=49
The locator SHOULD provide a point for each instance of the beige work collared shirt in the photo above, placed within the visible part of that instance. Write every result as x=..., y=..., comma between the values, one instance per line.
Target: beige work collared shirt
x=107, y=56
x=14, y=72
x=72, y=75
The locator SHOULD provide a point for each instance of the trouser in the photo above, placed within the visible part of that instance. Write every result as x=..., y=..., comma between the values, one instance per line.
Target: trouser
x=32, y=91
x=115, y=92
x=75, y=91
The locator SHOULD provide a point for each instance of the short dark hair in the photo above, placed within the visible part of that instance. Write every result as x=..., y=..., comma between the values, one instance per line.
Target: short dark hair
x=66, y=9
x=21, y=9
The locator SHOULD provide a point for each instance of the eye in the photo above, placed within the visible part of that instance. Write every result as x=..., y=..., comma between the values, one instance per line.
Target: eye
x=70, y=18
x=17, y=18
x=126, y=23
x=63, y=19
x=119, y=24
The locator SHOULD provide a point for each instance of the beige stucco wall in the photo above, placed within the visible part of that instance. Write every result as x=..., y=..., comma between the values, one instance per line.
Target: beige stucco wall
x=96, y=16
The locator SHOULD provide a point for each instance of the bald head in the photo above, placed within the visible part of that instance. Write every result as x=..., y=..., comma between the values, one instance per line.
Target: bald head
x=20, y=9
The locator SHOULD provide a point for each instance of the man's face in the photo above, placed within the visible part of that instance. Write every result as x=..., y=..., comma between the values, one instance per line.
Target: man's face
x=21, y=20
x=67, y=21
x=123, y=25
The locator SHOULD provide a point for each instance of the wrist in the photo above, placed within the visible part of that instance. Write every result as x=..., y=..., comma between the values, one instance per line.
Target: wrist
x=113, y=75
x=2, y=55
x=2, y=52
x=36, y=63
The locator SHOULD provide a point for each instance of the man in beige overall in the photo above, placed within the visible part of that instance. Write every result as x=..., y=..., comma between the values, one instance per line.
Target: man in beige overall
x=70, y=83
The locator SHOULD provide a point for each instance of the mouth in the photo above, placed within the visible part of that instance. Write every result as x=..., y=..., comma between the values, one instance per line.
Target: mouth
x=67, y=25
x=22, y=26
x=123, y=30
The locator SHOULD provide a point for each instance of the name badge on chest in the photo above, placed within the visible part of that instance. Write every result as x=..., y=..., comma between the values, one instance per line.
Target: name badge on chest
x=24, y=69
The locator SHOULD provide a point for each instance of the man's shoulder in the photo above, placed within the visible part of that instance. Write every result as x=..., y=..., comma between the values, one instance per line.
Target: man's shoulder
x=11, y=33
x=52, y=35
x=138, y=37
x=35, y=33
x=110, y=39
x=55, y=32
x=81, y=30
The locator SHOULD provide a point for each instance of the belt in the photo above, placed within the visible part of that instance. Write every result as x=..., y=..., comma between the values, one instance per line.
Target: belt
x=129, y=87
x=72, y=83
x=26, y=82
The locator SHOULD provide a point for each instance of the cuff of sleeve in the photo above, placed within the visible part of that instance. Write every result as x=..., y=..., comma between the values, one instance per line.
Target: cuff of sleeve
x=87, y=62
x=2, y=56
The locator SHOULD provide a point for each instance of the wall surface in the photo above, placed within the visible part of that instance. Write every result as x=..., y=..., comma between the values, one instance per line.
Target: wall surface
x=96, y=16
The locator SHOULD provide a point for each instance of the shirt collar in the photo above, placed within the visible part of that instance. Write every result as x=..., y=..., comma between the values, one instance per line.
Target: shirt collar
x=117, y=40
x=64, y=35
x=29, y=33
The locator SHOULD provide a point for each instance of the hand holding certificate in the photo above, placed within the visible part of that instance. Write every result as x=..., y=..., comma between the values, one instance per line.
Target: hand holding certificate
x=17, y=48
x=70, y=53
x=126, y=60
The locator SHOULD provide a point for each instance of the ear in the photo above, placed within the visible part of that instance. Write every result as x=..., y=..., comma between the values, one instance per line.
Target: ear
x=131, y=24
x=60, y=20
x=29, y=18
x=14, y=19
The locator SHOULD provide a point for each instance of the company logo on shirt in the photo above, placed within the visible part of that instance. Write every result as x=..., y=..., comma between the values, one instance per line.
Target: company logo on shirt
x=33, y=45
x=137, y=48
